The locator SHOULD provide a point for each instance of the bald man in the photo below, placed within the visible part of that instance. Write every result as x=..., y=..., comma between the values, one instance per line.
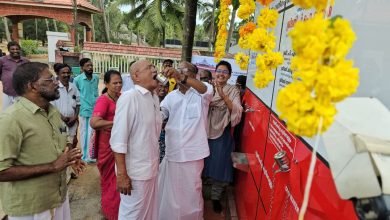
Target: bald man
x=134, y=141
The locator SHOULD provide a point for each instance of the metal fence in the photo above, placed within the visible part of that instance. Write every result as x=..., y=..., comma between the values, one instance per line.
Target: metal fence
x=103, y=61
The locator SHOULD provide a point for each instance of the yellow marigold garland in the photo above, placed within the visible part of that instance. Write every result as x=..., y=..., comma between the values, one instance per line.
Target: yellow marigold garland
x=222, y=36
x=321, y=74
x=261, y=40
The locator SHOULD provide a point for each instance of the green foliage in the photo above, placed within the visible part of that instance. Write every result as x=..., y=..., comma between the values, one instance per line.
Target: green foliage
x=29, y=47
x=36, y=28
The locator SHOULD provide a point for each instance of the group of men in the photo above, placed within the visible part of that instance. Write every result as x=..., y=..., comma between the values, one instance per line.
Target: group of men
x=35, y=148
x=35, y=151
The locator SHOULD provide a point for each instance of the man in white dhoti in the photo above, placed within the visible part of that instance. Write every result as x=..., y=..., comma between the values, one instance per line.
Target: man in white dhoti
x=180, y=183
x=134, y=141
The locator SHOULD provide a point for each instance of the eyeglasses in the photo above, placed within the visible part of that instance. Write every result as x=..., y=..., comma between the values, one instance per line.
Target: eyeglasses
x=222, y=71
x=51, y=79
x=182, y=70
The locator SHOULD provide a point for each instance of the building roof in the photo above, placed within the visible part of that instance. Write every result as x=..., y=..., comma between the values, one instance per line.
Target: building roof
x=84, y=5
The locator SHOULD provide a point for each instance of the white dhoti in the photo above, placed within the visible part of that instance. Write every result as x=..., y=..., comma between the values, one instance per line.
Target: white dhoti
x=60, y=213
x=180, y=190
x=85, y=135
x=142, y=203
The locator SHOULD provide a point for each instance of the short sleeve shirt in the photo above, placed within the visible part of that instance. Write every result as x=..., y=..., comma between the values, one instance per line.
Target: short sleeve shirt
x=88, y=93
x=31, y=136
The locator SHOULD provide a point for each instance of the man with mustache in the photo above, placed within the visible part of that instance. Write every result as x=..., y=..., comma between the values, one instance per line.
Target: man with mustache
x=69, y=102
x=34, y=152
x=8, y=65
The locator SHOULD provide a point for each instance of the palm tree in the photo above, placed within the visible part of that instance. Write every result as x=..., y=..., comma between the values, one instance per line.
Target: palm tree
x=236, y=5
x=105, y=22
x=189, y=29
x=152, y=16
x=208, y=13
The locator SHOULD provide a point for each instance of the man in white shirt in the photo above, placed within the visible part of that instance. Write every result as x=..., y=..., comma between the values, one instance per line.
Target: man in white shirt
x=134, y=141
x=69, y=102
x=180, y=183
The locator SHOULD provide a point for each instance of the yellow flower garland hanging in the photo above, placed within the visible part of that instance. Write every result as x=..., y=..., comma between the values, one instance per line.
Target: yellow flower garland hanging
x=321, y=74
x=222, y=35
x=260, y=40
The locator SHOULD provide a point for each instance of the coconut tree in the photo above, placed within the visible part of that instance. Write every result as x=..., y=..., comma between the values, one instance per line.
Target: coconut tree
x=208, y=13
x=236, y=5
x=189, y=29
x=152, y=16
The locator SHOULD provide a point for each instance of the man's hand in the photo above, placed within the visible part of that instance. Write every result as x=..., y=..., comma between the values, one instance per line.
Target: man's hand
x=123, y=184
x=173, y=73
x=71, y=121
x=79, y=167
x=64, y=119
x=66, y=159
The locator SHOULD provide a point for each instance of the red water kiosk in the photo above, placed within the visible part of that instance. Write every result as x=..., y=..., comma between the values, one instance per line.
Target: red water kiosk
x=272, y=163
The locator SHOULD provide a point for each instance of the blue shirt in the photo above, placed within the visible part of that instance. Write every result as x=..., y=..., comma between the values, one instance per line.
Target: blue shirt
x=88, y=93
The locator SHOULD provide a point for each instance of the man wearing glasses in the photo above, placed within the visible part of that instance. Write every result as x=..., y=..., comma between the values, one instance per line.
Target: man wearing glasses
x=186, y=109
x=34, y=152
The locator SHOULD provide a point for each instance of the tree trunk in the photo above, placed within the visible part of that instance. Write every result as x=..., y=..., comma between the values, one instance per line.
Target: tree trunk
x=55, y=25
x=138, y=37
x=6, y=29
x=189, y=29
x=231, y=28
x=74, y=25
x=106, y=28
x=93, y=28
x=36, y=29
x=212, y=34
x=47, y=25
x=163, y=36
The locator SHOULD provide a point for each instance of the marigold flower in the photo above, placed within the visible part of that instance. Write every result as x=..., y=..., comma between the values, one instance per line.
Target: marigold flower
x=267, y=18
x=265, y=2
x=246, y=29
x=262, y=79
x=247, y=7
x=261, y=40
x=242, y=60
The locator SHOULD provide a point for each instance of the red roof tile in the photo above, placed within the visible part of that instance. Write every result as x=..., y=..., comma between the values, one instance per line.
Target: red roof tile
x=81, y=4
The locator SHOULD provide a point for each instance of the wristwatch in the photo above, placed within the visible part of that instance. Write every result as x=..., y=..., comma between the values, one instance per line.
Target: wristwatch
x=184, y=81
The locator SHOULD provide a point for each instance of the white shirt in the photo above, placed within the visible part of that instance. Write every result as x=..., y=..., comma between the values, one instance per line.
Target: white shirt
x=127, y=82
x=68, y=100
x=67, y=103
x=136, y=130
x=185, y=131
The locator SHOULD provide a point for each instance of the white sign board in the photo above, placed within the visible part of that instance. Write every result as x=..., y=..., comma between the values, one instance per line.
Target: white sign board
x=208, y=63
